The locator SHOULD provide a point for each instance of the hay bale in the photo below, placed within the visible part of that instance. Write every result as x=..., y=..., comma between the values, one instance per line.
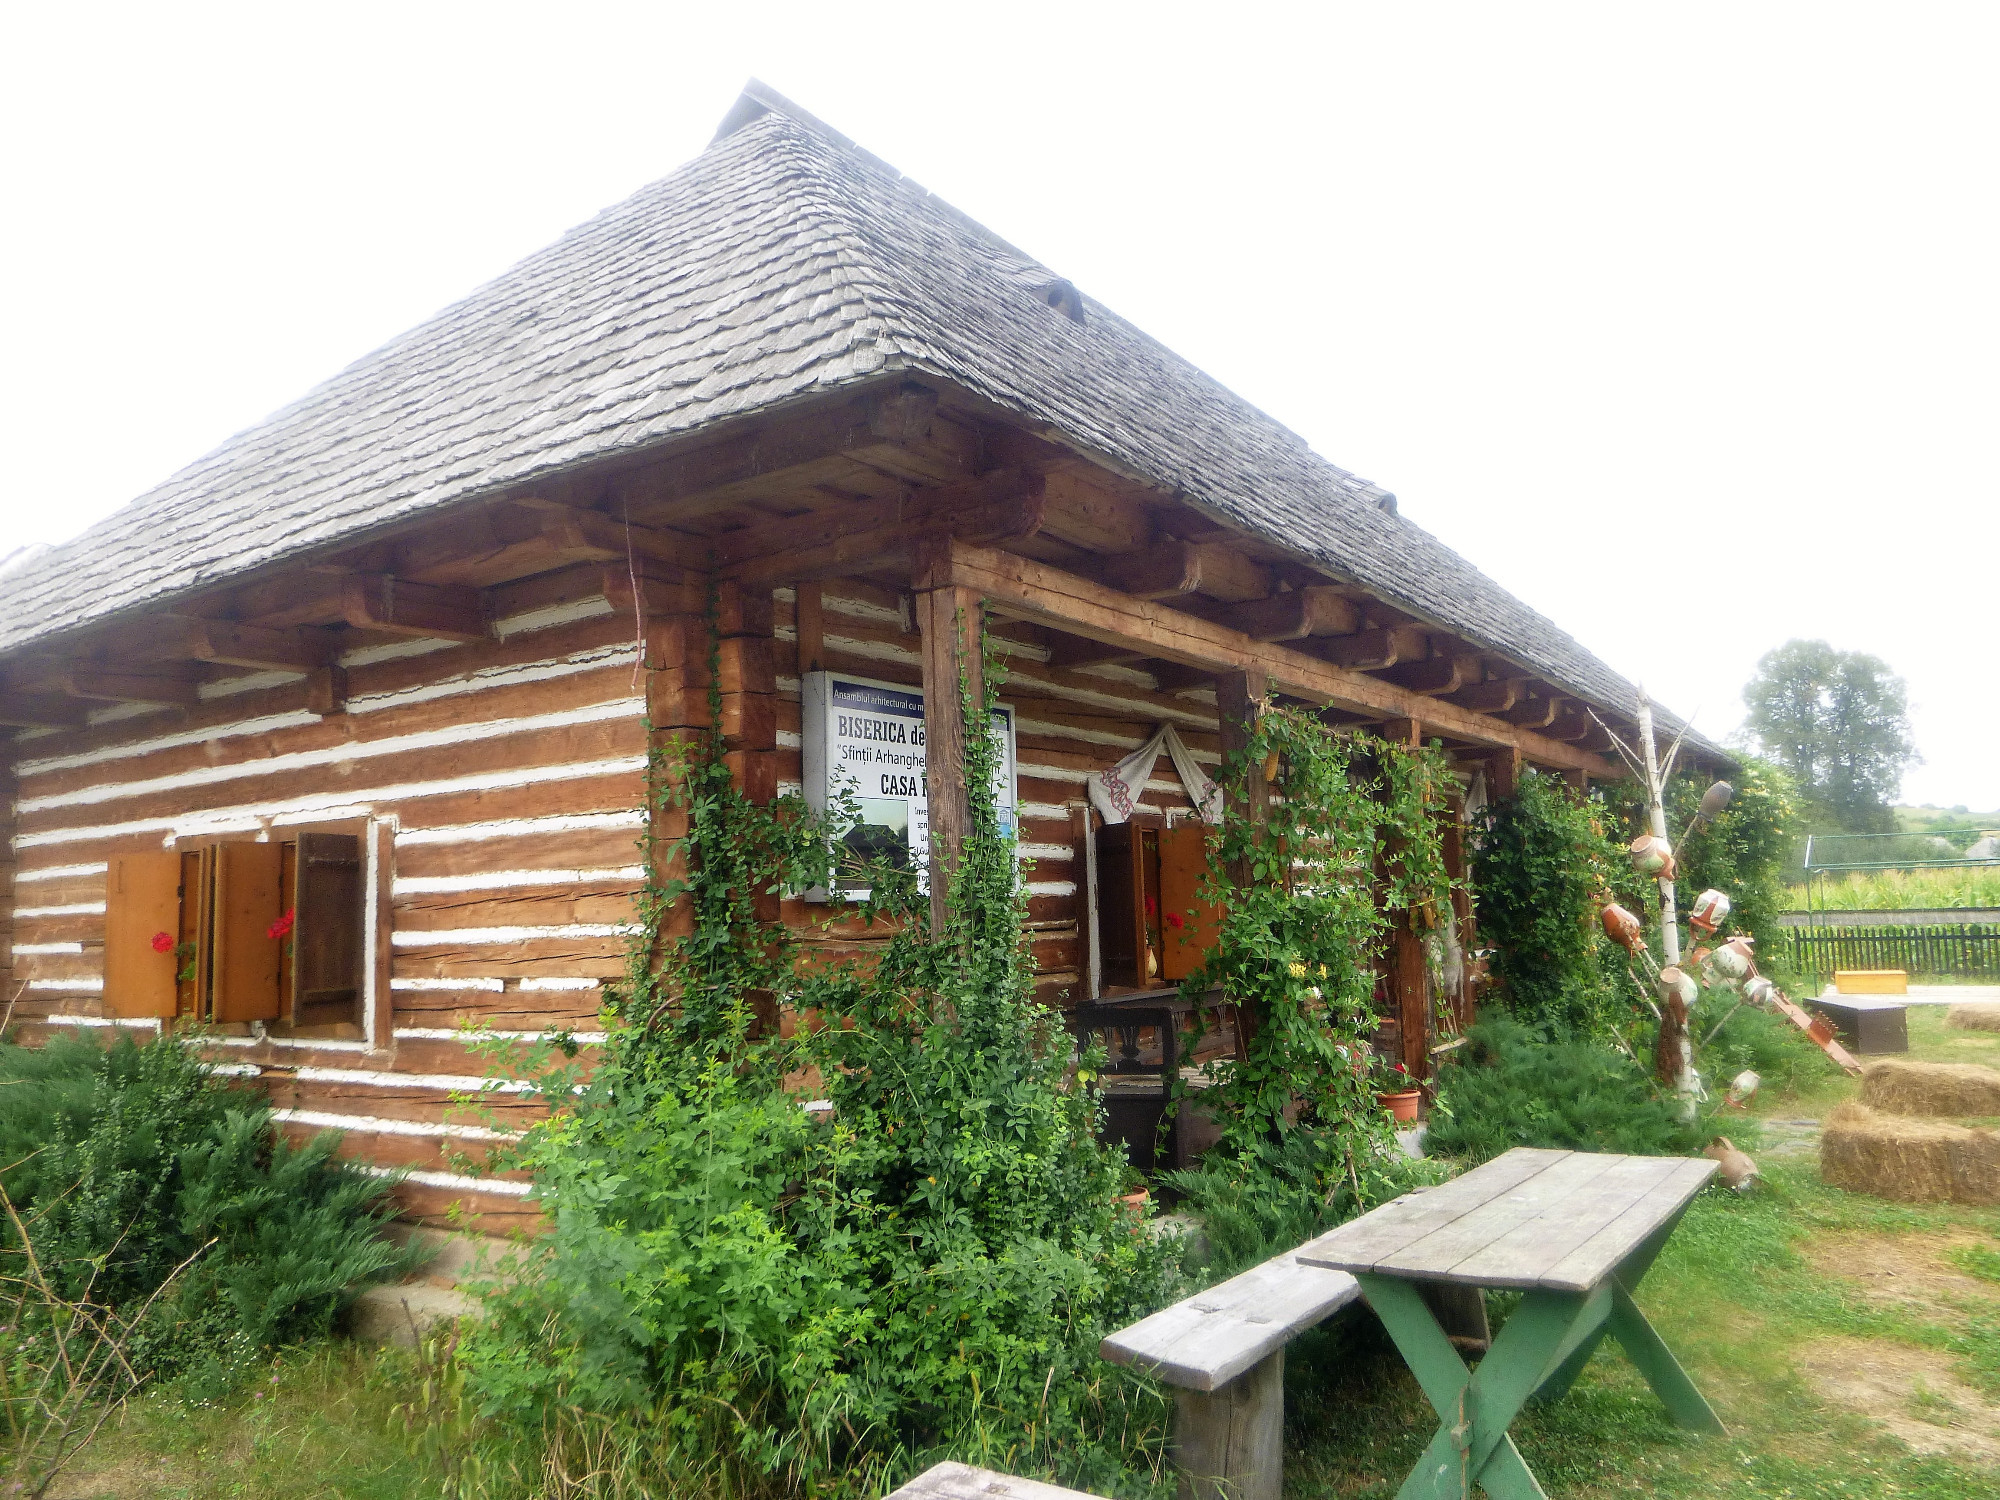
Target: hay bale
x=1920, y=1088
x=1974, y=1017
x=1909, y=1160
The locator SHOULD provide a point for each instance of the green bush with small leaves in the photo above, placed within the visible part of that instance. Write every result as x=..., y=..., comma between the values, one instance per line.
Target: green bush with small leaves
x=1573, y=1095
x=1541, y=865
x=128, y=1161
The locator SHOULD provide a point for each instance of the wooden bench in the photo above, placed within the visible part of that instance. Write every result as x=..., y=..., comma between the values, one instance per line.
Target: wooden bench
x=963, y=1482
x=1223, y=1350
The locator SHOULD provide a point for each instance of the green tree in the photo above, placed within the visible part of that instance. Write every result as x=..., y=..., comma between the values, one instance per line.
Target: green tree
x=1839, y=722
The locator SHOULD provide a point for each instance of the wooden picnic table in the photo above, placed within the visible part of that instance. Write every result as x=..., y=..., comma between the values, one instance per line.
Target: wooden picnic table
x=1575, y=1231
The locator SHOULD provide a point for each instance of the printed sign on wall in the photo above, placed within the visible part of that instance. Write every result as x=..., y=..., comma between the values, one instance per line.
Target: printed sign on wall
x=870, y=736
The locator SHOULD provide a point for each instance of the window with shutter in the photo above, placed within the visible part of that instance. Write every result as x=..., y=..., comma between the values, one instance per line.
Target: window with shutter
x=142, y=906
x=326, y=932
x=201, y=933
x=1153, y=926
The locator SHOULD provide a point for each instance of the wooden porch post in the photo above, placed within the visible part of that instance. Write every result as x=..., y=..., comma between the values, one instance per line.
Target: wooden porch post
x=1459, y=869
x=1503, y=773
x=948, y=618
x=1239, y=699
x=677, y=672
x=676, y=665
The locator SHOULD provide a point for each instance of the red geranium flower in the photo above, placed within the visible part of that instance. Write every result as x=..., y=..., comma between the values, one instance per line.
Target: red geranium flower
x=1174, y=921
x=282, y=927
x=1152, y=906
x=163, y=942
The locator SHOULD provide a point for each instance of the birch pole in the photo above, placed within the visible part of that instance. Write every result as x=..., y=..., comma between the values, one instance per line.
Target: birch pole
x=1673, y=1059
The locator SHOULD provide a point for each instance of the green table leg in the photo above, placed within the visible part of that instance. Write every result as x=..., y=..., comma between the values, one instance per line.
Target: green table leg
x=1647, y=1350
x=1631, y=1271
x=1471, y=1446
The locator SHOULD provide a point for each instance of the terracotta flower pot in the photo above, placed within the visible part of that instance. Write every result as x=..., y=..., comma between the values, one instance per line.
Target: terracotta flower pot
x=1403, y=1105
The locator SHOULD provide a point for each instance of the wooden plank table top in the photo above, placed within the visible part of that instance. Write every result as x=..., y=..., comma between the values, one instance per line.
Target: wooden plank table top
x=1557, y=1220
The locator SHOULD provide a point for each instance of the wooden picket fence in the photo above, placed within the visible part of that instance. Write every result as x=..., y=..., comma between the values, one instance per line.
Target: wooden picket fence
x=1967, y=951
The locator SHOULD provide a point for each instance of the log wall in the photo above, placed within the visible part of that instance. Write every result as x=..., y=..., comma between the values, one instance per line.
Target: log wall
x=503, y=784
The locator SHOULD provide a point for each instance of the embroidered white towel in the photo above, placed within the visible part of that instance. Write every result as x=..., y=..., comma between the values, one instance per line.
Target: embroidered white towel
x=1114, y=792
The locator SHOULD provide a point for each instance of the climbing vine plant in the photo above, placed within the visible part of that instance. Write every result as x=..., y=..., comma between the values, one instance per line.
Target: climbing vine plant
x=817, y=1221
x=1546, y=864
x=1352, y=835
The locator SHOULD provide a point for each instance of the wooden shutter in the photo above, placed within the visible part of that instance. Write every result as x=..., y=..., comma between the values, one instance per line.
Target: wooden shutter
x=142, y=898
x=1183, y=863
x=246, y=959
x=326, y=934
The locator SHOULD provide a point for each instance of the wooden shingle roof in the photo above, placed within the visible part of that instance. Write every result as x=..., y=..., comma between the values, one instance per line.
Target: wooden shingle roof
x=779, y=264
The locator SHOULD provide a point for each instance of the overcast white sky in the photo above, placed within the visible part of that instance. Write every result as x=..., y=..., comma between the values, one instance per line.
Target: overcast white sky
x=1681, y=321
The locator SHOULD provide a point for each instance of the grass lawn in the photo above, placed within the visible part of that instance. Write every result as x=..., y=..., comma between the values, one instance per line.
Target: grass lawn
x=1852, y=1346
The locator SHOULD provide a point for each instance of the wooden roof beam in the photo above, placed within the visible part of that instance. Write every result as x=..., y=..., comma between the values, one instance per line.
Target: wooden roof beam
x=122, y=685
x=1295, y=615
x=1173, y=569
x=1371, y=650
x=1491, y=697
x=1575, y=726
x=1438, y=676
x=897, y=430
x=227, y=644
x=377, y=601
x=1035, y=591
x=42, y=711
x=872, y=535
x=1536, y=713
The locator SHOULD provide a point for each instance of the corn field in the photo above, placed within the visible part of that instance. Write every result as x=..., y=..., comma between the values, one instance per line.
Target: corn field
x=1902, y=890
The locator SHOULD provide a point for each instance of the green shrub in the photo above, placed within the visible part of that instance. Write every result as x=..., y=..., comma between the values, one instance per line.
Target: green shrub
x=126, y=1161
x=1744, y=852
x=1517, y=1090
x=1286, y=1190
x=744, y=1296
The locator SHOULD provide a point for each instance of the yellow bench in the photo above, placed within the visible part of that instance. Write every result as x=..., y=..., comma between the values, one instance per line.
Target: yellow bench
x=1871, y=982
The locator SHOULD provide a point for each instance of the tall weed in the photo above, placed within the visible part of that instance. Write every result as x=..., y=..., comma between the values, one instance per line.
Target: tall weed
x=1900, y=890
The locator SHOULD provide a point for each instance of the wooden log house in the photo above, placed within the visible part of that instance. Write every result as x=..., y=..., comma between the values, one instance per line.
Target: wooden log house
x=386, y=662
